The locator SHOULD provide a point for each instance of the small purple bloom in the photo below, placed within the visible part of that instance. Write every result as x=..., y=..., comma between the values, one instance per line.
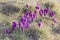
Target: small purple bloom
x=22, y=28
x=28, y=19
x=30, y=11
x=54, y=20
x=25, y=25
x=35, y=12
x=45, y=11
x=30, y=14
x=26, y=13
x=51, y=14
x=40, y=12
x=26, y=5
x=23, y=18
x=20, y=24
x=34, y=15
x=7, y=30
x=39, y=23
x=37, y=7
x=13, y=25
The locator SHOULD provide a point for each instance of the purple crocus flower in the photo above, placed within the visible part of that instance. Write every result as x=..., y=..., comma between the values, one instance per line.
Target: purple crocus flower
x=40, y=12
x=13, y=25
x=7, y=30
x=45, y=11
x=23, y=18
x=30, y=14
x=35, y=12
x=26, y=13
x=34, y=15
x=20, y=24
x=26, y=25
x=39, y=23
x=51, y=14
x=37, y=7
x=28, y=19
x=54, y=20
x=26, y=5
x=22, y=29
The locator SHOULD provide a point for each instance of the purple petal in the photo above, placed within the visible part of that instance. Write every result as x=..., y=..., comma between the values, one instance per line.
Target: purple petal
x=22, y=28
x=54, y=20
x=26, y=25
x=35, y=12
x=28, y=19
x=45, y=11
x=13, y=25
x=20, y=24
x=39, y=24
x=7, y=30
x=26, y=13
x=23, y=18
x=26, y=5
x=51, y=14
x=34, y=15
x=37, y=7
x=30, y=11
x=30, y=15
x=41, y=12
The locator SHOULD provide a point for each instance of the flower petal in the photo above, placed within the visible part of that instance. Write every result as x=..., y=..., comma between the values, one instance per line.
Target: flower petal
x=40, y=12
x=13, y=25
x=45, y=11
x=39, y=24
x=51, y=14
x=7, y=30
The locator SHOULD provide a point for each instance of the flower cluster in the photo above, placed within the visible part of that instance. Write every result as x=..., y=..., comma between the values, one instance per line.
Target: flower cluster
x=31, y=16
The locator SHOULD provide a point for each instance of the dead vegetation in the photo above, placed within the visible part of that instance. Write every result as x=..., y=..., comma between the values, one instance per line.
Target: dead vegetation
x=7, y=8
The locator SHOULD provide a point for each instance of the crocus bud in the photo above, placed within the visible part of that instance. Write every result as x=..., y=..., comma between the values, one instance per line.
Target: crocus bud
x=39, y=23
x=35, y=12
x=25, y=15
x=54, y=20
x=23, y=19
x=45, y=11
x=37, y=7
x=34, y=15
x=28, y=19
x=51, y=14
x=40, y=12
x=19, y=24
x=26, y=5
x=30, y=13
x=22, y=29
x=13, y=25
x=26, y=25
x=7, y=30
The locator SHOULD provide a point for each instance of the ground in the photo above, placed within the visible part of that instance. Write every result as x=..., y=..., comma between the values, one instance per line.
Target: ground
x=48, y=31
